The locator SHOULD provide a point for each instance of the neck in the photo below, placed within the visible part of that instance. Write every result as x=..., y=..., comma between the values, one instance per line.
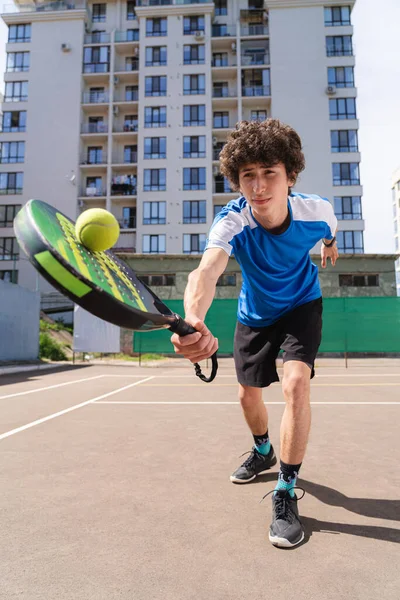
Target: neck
x=276, y=223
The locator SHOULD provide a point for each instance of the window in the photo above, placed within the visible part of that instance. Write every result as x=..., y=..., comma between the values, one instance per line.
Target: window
x=194, y=178
x=130, y=10
x=154, y=213
x=346, y=174
x=156, y=86
x=17, y=61
x=99, y=13
x=155, y=147
x=337, y=16
x=341, y=77
x=130, y=154
x=94, y=187
x=156, y=27
x=350, y=242
x=342, y=108
x=151, y=280
x=339, y=45
x=348, y=207
x=220, y=59
x=96, y=59
x=156, y=56
x=12, y=152
x=194, y=54
x=8, y=248
x=221, y=8
x=131, y=35
x=194, y=243
x=194, y=84
x=16, y=91
x=11, y=183
x=154, y=244
x=227, y=279
x=95, y=155
x=194, y=146
x=9, y=276
x=193, y=24
x=222, y=185
x=14, y=121
x=221, y=89
x=131, y=93
x=194, y=211
x=131, y=63
x=194, y=114
x=155, y=180
x=19, y=33
x=221, y=119
x=344, y=141
x=128, y=217
x=258, y=115
x=130, y=123
x=8, y=213
x=358, y=280
x=218, y=208
x=155, y=116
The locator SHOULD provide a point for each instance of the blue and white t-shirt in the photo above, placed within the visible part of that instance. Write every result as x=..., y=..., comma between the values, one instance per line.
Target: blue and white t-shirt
x=277, y=271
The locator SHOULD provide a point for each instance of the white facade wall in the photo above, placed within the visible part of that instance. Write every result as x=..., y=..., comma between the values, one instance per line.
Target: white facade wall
x=396, y=222
x=57, y=137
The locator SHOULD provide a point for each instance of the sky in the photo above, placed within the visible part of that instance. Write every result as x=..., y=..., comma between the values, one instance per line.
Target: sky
x=377, y=76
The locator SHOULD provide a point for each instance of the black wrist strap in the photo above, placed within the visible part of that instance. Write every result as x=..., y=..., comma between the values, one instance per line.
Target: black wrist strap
x=330, y=243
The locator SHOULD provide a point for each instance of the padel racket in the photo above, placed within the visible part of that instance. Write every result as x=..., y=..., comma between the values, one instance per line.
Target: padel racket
x=98, y=281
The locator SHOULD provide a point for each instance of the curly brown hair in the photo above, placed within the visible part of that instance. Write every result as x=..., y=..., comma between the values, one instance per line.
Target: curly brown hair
x=267, y=142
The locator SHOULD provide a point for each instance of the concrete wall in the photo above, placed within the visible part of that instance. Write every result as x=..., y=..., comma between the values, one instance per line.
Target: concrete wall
x=19, y=323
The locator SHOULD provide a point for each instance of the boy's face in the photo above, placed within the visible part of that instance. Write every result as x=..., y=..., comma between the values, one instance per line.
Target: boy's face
x=265, y=188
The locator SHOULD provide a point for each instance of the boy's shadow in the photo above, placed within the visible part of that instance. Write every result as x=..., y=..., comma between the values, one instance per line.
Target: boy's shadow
x=367, y=507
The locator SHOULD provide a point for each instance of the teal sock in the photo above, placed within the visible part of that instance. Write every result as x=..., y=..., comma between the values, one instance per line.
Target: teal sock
x=287, y=478
x=284, y=485
x=262, y=443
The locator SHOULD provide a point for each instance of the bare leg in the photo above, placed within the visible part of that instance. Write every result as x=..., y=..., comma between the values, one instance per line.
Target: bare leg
x=254, y=409
x=296, y=420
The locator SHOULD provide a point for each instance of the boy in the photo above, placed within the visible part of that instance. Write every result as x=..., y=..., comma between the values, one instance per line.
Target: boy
x=271, y=232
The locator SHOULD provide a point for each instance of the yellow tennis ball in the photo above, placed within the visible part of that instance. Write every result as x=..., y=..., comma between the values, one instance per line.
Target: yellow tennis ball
x=97, y=229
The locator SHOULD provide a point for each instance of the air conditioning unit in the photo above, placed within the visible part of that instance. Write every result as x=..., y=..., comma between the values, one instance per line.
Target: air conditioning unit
x=330, y=90
x=115, y=111
x=65, y=47
x=116, y=79
x=214, y=140
x=199, y=35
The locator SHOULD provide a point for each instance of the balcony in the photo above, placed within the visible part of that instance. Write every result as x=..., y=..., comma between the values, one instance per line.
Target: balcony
x=92, y=192
x=127, y=96
x=247, y=30
x=96, y=68
x=221, y=186
x=256, y=90
x=99, y=37
x=169, y=2
x=129, y=223
x=126, y=242
x=224, y=92
x=95, y=98
x=44, y=7
x=94, y=128
x=132, y=35
x=125, y=158
x=255, y=58
x=125, y=185
x=223, y=62
x=93, y=161
x=126, y=128
x=222, y=30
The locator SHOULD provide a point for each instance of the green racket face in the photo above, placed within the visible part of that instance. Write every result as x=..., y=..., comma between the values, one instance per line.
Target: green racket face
x=101, y=269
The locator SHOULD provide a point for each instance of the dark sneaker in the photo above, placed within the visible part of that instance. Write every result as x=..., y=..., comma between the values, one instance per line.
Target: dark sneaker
x=286, y=529
x=256, y=463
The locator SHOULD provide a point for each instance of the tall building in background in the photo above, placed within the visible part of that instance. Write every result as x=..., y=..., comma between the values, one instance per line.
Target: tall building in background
x=126, y=106
x=396, y=222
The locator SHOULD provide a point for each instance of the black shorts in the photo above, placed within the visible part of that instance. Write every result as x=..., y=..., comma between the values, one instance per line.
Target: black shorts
x=297, y=333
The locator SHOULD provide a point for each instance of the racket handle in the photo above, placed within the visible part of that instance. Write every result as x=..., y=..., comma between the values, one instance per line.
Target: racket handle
x=182, y=328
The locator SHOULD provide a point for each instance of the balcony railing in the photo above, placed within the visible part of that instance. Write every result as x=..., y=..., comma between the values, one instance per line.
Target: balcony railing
x=224, y=93
x=224, y=62
x=95, y=98
x=257, y=90
x=45, y=6
x=87, y=160
x=255, y=59
x=133, y=65
x=221, y=124
x=92, y=192
x=123, y=189
x=126, y=242
x=99, y=37
x=12, y=129
x=254, y=30
x=126, y=128
x=129, y=223
x=126, y=96
x=96, y=67
x=222, y=187
x=127, y=36
x=169, y=2
x=221, y=30
x=94, y=128
x=125, y=159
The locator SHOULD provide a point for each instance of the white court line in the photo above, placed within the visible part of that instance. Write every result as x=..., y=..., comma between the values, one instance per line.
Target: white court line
x=67, y=410
x=267, y=403
x=50, y=387
x=233, y=376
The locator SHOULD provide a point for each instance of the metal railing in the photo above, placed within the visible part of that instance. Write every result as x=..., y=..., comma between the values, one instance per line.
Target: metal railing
x=86, y=160
x=45, y=6
x=92, y=192
x=99, y=37
x=127, y=36
x=221, y=30
x=95, y=97
x=224, y=93
x=94, y=128
x=122, y=159
x=96, y=67
x=255, y=59
x=123, y=189
x=129, y=223
x=254, y=30
x=256, y=90
x=225, y=62
x=126, y=128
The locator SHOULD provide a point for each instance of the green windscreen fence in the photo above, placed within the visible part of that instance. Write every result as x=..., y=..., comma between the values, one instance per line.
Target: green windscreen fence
x=349, y=325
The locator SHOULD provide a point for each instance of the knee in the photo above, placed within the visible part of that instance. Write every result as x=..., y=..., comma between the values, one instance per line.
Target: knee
x=249, y=396
x=295, y=387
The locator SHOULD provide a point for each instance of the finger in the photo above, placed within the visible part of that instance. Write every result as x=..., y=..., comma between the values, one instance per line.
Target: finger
x=186, y=340
x=323, y=262
x=206, y=354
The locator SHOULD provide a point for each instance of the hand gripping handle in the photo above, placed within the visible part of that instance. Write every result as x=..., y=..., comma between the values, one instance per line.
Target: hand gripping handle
x=182, y=328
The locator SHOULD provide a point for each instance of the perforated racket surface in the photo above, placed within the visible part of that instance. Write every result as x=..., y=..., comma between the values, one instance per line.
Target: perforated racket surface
x=98, y=281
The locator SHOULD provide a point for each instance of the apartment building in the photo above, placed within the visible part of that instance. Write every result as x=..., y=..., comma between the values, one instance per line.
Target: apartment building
x=126, y=106
x=396, y=222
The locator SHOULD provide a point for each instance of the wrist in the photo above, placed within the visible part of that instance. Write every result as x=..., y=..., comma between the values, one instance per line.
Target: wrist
x=329, y=243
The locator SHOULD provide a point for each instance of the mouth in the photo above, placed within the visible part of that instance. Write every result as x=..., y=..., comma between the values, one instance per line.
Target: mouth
x=259, y=201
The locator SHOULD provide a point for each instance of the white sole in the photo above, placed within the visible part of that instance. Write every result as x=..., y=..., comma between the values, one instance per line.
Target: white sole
x=283, y=543
x=234, y=480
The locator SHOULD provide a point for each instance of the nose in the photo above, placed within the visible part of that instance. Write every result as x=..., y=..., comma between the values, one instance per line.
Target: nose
x=259, y=185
